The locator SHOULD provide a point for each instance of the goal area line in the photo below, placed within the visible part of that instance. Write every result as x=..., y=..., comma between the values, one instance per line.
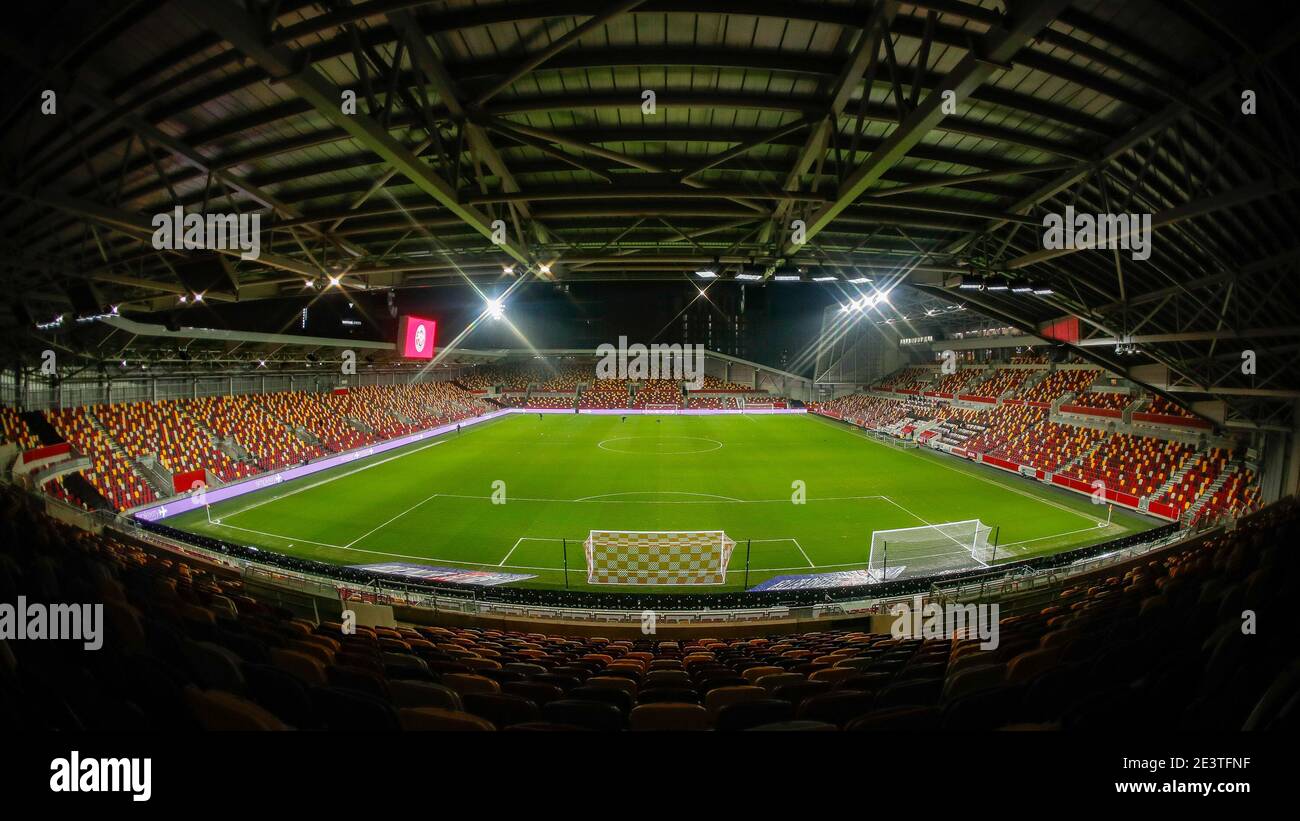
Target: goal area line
x=559, y=567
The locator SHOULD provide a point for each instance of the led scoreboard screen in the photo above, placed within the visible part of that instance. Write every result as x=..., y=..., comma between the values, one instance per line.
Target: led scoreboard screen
x=415, y=337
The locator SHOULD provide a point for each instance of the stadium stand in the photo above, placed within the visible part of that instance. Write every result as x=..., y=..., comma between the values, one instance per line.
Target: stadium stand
x=1003, y=380
x=543, y=402
x=189, y=647
x=312, y=413
x=1148, y=467
x=872, y=411
x=606, y=393
x=56, y=488
x=243, y=420
x=14, y=429
x=1238, y=495
x=165, y=430
x=713, y=383
x=482, y=378
x=1049, y=445
x=1013, y=421
x=956, y=383
x=543, y=375
x=1102, y=399
x=1059, y=383
x=372, y=406
x=712, y=402
x=429, y=404
x=111, y=473
x=564, y=377
x=1164, y=407
x=258, y=429
x=1137, y=465
x=908, y=379
x=658, y=392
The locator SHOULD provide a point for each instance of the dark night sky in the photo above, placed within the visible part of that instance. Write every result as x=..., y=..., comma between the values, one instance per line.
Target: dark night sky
x=780, y=316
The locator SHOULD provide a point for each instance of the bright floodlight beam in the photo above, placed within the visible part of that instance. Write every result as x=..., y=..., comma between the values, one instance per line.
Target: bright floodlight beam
x=495, y=308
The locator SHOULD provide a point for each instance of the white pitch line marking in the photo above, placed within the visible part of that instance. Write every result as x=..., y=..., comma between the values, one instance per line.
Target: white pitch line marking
x=313, y=485
x=502, y=563
x=985, y=479
x=805, y=555
x=656, y=492
x=390, y=521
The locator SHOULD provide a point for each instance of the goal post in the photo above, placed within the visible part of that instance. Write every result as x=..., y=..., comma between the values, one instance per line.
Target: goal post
x=658, y=557
x=660, y=407
x=929, y=549
x=886, y=438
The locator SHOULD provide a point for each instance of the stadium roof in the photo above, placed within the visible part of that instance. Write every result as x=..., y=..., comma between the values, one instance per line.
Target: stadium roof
x=539, y=114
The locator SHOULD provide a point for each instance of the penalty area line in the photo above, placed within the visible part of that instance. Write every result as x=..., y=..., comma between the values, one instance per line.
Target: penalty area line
x=431, y=561
x=390, y=521
x=970, y=474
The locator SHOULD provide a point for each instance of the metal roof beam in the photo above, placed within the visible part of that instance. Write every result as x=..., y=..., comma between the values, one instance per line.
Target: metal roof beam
x=1135, y=136
x=423, y=56
x=535, y=60
x=997, y=48
x=139, y=227
x=287, y=67
x=1205, y=205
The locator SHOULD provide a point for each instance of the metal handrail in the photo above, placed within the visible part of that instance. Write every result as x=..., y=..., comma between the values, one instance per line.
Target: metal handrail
x=984, y=588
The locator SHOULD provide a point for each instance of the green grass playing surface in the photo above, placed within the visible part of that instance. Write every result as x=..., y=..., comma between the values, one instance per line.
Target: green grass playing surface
x=565, y=475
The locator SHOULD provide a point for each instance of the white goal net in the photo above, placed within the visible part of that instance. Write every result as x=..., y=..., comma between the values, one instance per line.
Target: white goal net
x=930, y=549
x=891, y=439
x=657, y=557
x=662, y=408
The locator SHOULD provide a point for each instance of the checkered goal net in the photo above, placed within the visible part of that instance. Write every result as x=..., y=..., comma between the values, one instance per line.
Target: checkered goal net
x=658, y=557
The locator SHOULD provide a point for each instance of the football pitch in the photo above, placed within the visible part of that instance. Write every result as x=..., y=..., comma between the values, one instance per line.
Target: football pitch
x=519, y=495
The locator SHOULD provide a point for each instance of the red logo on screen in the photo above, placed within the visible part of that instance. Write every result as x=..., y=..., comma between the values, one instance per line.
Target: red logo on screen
x=417, y=337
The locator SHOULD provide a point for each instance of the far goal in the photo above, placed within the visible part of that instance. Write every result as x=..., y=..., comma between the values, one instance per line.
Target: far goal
x=658, y=557
x=930, y=549
x=662, y=408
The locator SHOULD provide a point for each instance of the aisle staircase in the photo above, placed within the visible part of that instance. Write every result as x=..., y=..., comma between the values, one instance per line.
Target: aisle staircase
x=1229, y=470
x=227, y=445
x=1177, y=475
x=153, y=475
x=302, y=433
x=1078, y=460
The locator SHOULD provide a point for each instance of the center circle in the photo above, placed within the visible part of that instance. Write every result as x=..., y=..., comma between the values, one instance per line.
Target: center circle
x=661, y=445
